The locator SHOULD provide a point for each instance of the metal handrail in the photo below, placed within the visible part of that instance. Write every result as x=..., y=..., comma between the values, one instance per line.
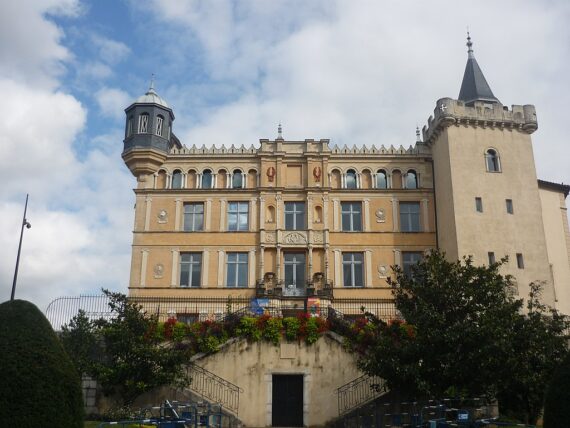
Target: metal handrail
x=358, y=392
x=214, y=388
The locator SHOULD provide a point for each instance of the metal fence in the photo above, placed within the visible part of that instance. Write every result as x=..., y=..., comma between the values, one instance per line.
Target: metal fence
x=189, y=309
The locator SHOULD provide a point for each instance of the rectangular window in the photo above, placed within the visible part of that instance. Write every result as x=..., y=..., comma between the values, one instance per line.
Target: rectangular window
x=190, y=269
x=237, y=272
x=159, y=122
x=510, y=209
x=409, y=259
x=193, y=217
x=491, y=257
x=294, y=215
x=130, y=127
x=409, y=216
x=351, y=216
x=238, y=216
x=294, y=272
x=520, y=261
x=352, y=269
x=143, y=123
x=479, y=205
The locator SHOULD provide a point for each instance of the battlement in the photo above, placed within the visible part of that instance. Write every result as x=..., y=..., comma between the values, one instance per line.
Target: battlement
x=307, y=146
x=449, y=112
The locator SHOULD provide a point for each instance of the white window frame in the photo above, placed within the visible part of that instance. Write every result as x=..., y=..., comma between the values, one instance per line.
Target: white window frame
x=159, y=125
x=353, y=264
x=193, y=215
x=143, y=123
x=348, y=208
x=239, y=265
x=193, y=264
x=238, y=212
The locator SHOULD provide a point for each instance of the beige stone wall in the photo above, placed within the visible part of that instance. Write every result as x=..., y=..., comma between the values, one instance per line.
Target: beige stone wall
x=555, y=218
x=276, y=173
x=325, y=366
x=461, y=176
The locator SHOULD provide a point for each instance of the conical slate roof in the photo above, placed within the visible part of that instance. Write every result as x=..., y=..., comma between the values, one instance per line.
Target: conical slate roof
x=474, y=86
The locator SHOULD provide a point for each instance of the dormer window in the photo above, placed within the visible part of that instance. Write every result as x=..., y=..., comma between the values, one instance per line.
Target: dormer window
x=237, y=179
x=207, y=179
x=492, y=160
x=130, y=127
x=159, y=125
x=350, y=179
x=411, y=180
x=143, y=123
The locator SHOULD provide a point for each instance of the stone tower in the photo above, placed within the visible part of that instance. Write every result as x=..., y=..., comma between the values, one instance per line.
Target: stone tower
x=148, y=133
x=487, y=196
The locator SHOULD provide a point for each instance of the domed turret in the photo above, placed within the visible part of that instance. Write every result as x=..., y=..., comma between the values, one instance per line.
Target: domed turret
x=148, y=132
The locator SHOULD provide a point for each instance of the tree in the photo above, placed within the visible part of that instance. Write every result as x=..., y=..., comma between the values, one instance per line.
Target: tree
x=539, y=345
x=39, y=385
x=128, y=358
x=464, y=334
x=557, y=401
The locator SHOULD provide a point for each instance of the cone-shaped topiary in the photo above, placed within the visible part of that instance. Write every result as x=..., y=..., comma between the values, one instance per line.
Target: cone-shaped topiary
x=39, y=387
x=557, y=400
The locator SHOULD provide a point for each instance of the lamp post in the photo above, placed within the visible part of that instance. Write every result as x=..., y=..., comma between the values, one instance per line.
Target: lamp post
x=28, y=225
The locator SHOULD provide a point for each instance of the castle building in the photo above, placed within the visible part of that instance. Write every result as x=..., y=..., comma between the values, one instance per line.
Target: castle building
x=288, y=220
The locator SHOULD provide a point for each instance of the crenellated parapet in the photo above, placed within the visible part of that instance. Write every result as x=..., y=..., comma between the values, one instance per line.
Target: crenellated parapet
x=449, y=112
x=418, y=149
x=300, y=147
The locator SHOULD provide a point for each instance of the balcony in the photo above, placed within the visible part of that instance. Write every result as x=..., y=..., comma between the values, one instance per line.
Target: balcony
x=269, y=286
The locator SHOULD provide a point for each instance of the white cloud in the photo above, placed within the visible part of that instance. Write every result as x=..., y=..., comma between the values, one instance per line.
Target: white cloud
x=363, y=72
x=80, y=202
x=110, y=51
x=31, y=50
x=112, y=102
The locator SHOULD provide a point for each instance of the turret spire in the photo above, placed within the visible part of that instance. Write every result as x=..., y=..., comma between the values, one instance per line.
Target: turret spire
x=469, y=46
x=279, y=132
x=474, y=86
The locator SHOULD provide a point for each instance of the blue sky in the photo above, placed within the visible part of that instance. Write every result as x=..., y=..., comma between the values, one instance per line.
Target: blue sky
x=355, y=71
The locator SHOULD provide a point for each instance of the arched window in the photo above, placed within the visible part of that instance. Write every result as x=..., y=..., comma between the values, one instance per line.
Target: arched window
x=366, y=179
x=396, y=179
x=159, y=125
x=381, y=179
x=237, y=179
x=206, y=179
x=177, y=179
x=161, y=180
x=335, y=179
x=492, y=160
x=143, y=123
x=350, y=179
x=411, y=180
x=251, y=179
x=130, y=127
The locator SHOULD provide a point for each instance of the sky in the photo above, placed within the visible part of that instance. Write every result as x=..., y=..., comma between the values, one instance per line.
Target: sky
x=354, y=71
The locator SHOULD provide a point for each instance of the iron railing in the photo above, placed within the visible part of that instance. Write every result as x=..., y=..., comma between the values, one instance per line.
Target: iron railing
x=214, y=389
x=358, y=392
x=188, y=309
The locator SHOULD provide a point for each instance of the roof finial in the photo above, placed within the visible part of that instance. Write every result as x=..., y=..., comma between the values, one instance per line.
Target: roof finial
x=151, y=87
x=279, y=132
x=469, y=45
x=418, y=134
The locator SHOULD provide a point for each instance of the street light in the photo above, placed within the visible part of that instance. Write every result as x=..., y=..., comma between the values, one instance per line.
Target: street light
x=28, y=225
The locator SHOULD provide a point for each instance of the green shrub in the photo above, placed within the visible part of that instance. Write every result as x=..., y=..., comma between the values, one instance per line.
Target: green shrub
x=292, y=326
x=557, y=400
x=249, y=329
x=39, y=385
x=272, y=330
